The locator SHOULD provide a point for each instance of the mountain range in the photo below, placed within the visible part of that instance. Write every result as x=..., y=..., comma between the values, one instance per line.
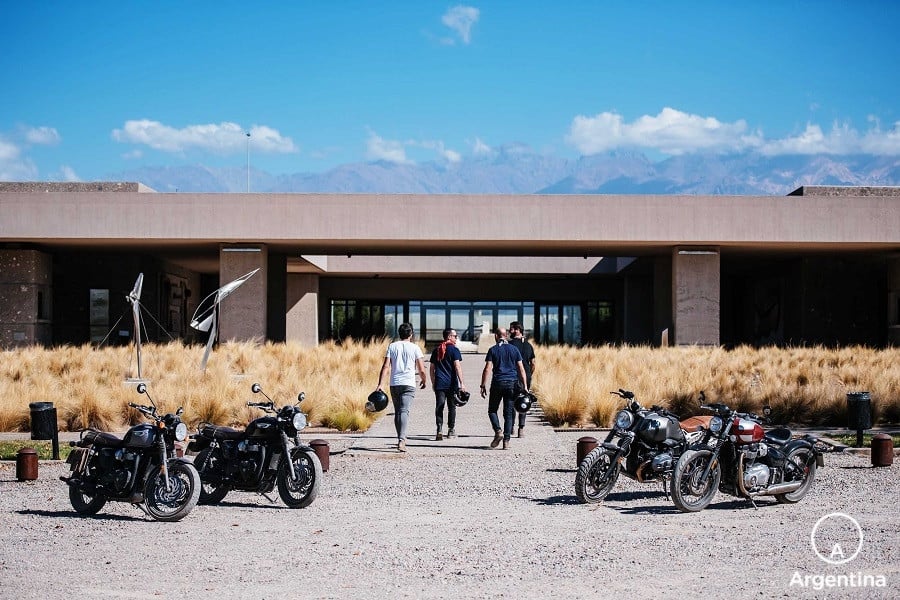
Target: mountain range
x=517, y=170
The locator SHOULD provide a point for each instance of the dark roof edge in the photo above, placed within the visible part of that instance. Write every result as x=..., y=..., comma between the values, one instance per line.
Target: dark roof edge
x=846, y=190
x=74, y=186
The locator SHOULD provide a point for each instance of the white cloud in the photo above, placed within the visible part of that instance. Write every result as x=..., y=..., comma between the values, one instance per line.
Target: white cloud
x=13, y=166
x=67, y=173
x=674, y=132
x=42, y=136
x=671, y=132
x=461, y=19
x=378, y=148
x=479, y=148
x=222, y=138
x=438, y=146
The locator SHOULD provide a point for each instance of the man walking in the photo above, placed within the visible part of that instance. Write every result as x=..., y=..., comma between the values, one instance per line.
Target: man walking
x=446, y=381
x=503, y=364
x=517, y=339
x=402, y=360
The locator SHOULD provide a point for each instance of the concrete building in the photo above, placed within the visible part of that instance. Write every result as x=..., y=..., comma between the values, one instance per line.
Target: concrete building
x=819, y=266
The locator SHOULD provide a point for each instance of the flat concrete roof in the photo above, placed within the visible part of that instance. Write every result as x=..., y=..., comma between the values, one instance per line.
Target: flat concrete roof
x=191, y=226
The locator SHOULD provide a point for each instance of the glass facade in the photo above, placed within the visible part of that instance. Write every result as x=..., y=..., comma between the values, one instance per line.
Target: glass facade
x=574, y=324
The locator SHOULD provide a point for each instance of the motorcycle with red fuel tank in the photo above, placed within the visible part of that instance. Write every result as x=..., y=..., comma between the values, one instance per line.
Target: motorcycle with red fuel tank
x=738, y=457
x=265, y=454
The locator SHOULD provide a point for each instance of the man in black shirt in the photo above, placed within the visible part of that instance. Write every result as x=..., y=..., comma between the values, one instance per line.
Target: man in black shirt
x=517, y=339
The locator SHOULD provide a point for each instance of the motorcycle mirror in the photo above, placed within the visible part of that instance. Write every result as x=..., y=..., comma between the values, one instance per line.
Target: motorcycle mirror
x=180, y=411
x=255, y=388
x=142, y=388
x=767, y=410
x=301, y=397
x=701, y=398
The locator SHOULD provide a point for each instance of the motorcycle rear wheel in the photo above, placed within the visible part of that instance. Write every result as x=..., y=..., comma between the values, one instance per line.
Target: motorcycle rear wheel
x=687, y=494
x=174, y=504
x=211, y=463
x=804, y=461
x=592, y=484
x=300, y=492
x=85, y=504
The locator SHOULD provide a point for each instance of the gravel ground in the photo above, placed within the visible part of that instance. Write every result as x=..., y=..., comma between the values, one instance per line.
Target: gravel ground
x=453, y=519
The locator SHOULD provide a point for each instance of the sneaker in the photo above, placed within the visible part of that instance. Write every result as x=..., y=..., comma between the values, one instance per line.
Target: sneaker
x=521, y=432
x=401, y=446
x=506, y=444
x=451, y=434
x=439, y=436
x=498, y=437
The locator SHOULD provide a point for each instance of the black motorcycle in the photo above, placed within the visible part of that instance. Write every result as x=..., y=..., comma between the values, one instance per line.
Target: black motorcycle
x=643, y=444
x=738, y=457
x=140, y=468
x=256, y=459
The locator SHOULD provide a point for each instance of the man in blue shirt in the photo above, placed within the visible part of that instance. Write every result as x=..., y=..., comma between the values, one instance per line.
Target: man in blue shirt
x=503, y=364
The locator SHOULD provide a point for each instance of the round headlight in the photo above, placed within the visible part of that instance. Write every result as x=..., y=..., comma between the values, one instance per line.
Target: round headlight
x=181, y=432
x=715, y=424
x=624, y=419
x=299, y=421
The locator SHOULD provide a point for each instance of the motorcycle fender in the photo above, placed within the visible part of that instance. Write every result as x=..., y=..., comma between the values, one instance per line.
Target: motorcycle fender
x=198, y=443
x=181, y=460
x=802, y=443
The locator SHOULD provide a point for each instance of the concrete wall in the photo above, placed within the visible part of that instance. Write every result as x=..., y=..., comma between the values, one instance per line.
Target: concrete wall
x=695, y=295
x=26, y=282
x=303, y=309
x=242, y=314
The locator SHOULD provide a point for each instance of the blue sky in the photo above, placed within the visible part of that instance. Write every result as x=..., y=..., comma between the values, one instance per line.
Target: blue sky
x=95, y=88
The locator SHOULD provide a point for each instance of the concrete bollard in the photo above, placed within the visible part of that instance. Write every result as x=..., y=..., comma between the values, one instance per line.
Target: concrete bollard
x=585, y=445
x=27, y=464
x=882, y=450
x=320, y=447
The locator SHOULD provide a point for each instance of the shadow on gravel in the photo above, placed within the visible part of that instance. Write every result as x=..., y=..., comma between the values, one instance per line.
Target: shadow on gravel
x=231, y=504
x=552, y=500
x=562, y=470
x=74, y=515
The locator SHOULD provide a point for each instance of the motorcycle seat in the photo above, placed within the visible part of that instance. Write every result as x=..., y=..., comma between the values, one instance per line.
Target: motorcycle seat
x=779, y=436
x=101, y=438
x=220, y=432
x=697, y=423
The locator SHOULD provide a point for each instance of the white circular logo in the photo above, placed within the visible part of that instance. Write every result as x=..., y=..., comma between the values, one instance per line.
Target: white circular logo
x=833, y=537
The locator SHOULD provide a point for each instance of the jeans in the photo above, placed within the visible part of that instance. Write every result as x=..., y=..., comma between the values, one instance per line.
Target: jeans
x=504, y=391
x=441, y=398
x=402, y=396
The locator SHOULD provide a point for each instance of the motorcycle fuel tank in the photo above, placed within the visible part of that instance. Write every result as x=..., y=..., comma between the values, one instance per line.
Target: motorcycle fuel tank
x=746, y=431
x=655, y=429
x=140, y=436
x=264, y=427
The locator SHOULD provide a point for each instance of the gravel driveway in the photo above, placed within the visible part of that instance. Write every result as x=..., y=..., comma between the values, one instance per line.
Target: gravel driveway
x=454, y=519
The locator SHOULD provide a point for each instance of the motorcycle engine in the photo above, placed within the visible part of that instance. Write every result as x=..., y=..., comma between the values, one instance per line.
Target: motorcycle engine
x=662, y=462
x=250, y=456
x=756, y=476
x=116, y=468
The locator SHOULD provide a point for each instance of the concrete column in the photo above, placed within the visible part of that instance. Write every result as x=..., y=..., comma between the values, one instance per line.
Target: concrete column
x=26, y=278
x=893, y=309
x=302, y=309
x=695, y=295
x=242, y=315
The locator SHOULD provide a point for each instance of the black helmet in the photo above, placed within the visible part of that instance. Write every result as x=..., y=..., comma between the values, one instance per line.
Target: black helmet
x=524, y=401
x=461, y=397
x=378, y=401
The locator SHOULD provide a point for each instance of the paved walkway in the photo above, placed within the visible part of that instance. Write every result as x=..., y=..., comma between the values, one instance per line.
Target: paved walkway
x=473, y=429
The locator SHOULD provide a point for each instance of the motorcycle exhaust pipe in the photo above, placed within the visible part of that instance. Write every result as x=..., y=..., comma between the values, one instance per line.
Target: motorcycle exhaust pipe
x=781, y=488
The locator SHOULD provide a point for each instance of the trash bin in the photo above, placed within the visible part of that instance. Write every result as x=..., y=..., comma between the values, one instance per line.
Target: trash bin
x=882, y=450
x=43, y=420
x=585, y=445
x=320, y=447
x=859, y=414
x=27, y=464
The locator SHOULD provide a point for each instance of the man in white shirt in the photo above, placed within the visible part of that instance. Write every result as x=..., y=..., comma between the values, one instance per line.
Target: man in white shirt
x=402, y=359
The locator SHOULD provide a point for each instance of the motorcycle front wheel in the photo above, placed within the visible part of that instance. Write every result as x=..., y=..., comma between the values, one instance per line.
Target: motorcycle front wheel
x=303, y=489
x=209, y=463
x=85, y=504
x=800, y=465
x=595, y=479
x=688, y=494
x=175, y=503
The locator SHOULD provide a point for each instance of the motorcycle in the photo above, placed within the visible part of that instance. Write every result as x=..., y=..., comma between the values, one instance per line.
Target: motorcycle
x=141, y=468
x=643, y=444
x=256, y=459
x=738, y=457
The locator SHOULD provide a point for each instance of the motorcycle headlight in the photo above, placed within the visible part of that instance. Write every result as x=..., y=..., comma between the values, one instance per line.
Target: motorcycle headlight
x=624, y=420
x=299, y=421
x=181, y=432
x=715, y=424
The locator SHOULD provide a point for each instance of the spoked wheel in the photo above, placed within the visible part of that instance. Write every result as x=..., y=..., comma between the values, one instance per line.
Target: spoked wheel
x=688, y=493
x=175, y=503
x=300, y=491
x=799, y=466
x=85, y=504
x=209, y=466
x=596, y=476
